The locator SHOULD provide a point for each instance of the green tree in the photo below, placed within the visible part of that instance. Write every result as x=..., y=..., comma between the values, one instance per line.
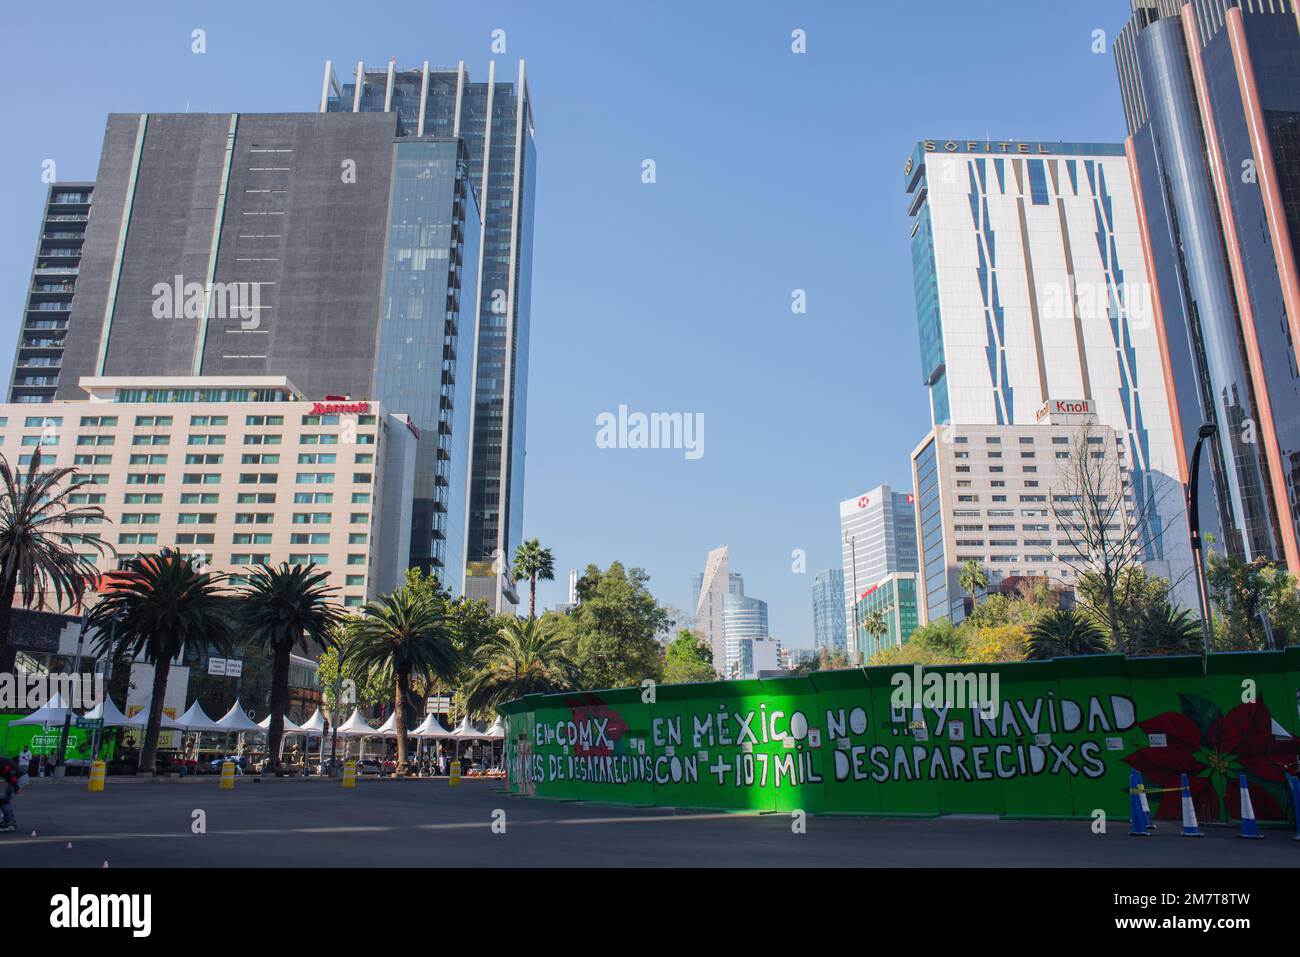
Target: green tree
x=533, y=562
x=162, y=603
x=526, y=656
x=997, y=643
x=400, y=635
x=282, y=609
x=611, y=634
x=35, y=557
x=1165, y=630
x=1063, y=633
x=687, y=658
x=973, y=579
x=1135, y=591
x=938, y=643
x=1256, y=602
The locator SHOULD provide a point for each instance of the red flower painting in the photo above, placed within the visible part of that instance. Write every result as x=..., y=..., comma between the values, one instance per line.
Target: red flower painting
x=1212, y=749
x=589, y=707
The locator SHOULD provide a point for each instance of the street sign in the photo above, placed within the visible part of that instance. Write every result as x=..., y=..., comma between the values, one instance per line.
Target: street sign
x=92, y=723
x=216, y=666
x=234, y=667
x=438, y=704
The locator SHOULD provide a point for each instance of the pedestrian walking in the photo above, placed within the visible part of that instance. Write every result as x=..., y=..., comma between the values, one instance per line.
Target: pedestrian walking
x=9, y=786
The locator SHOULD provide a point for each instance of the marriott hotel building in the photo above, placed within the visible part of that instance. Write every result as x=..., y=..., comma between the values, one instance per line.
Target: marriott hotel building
x=1031, y=294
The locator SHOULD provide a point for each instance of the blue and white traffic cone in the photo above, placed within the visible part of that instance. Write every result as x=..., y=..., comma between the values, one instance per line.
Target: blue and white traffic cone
x=1249, y=827
x=1137, y=817
x=1189, y=812
x=1146, y=808
x=1294, y=783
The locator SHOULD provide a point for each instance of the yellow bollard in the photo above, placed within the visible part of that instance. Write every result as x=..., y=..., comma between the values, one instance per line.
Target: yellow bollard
x=96, y=776
x=227, y=775
x=455, y=774
x=350, y=774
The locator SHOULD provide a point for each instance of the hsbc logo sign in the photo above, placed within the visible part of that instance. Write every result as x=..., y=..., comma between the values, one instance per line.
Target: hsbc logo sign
x=863, y=502
x=333, y=408
x=1064, y=407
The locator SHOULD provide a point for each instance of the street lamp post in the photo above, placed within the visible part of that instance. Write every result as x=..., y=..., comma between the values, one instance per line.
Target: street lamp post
x=1207, y=430
x=853, y=564
x=59, y=764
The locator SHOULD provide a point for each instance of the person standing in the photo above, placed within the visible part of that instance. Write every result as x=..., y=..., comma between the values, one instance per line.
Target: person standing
x=24, y=764
x=9, y=786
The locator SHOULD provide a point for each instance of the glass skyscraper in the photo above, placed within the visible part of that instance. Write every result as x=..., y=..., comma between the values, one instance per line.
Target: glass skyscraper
x=878, y=538
x=1211, y=97
x=828, y=611
x=433, y=222
x=495, y=122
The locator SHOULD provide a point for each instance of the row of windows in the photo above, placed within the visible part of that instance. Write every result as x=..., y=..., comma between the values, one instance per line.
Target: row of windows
x=238, y=538
x=212, y=498
x=206, y=421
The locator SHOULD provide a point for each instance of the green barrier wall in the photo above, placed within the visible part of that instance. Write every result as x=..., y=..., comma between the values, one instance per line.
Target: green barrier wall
x=1050, y=739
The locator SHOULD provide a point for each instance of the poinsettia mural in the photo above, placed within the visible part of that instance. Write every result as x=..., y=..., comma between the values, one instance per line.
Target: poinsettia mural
x=1212, y=749
x=609, y=724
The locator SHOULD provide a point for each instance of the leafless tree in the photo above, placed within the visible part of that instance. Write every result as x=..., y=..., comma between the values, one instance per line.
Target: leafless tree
x=1109, y=531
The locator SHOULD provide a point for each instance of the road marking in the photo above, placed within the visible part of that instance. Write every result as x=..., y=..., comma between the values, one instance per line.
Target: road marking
x=371, y=829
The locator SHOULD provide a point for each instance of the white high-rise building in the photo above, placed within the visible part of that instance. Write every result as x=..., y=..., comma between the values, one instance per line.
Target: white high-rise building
x=1033, y=302
x=878, y=538
x=711, y=591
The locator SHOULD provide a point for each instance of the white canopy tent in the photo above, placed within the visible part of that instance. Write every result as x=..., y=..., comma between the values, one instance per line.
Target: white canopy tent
x=107, y=712
x=356, y=727
x=466, y=731
x=430, y=728
x=141, y=720
x=389, y=728
x=313, y=725
x=236, y=720
x=54, y=712
x=195, y=719
x=289, y=726
x=497, y=730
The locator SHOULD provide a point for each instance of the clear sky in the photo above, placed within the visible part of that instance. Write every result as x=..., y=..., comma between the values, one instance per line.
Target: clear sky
x=775, y=171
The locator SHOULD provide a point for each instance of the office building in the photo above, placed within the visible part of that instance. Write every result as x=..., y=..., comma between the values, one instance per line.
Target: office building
x=895, y=597
x=878, y=537
x=828, y=611
x=323, y=247
x=1033, y=299
x=1211, y=98
x=1001, y=495
x=38, y=359
x=710, y=590
x=235, y=470
x=744, y=620
x=494, y=119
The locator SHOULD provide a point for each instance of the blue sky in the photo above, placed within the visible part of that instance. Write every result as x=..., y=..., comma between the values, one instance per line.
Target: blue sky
x=775, y=172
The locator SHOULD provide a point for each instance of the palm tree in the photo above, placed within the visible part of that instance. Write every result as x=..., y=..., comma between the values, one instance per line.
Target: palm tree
x=972, y=577
x=34, y=558
x=876, y=623
x=533, y=562
x=400, y=635
x=1064, y=632
x=161, y=603
x=1163, y=629
x=525, y=657
x=280, y=610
